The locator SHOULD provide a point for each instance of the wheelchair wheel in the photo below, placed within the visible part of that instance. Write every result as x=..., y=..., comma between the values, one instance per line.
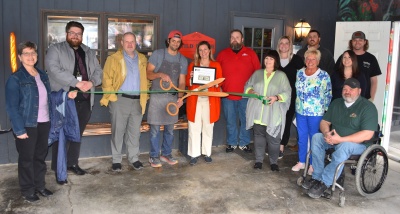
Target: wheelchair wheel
x=300, y=181
x=372, y=169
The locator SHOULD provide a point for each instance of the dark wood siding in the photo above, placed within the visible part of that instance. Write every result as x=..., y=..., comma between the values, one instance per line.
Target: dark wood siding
x=210, y=17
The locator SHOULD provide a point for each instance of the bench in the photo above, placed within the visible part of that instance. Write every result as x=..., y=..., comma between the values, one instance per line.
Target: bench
x=95, y=129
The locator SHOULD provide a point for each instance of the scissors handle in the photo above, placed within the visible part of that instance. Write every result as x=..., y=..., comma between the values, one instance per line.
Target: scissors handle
x=171, y=85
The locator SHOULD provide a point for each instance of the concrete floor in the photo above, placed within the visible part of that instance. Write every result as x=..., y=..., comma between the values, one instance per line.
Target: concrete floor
x=228, y=185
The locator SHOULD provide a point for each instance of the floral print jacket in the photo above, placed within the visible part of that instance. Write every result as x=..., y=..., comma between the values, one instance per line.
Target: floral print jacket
x=314, y=93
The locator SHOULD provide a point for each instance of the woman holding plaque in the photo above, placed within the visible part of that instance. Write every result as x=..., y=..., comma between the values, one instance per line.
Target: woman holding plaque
x=202, y=111
x=266, y=113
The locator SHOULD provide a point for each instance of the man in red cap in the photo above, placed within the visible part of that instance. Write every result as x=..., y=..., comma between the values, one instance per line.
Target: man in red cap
x=165, y=66
x=367, y=63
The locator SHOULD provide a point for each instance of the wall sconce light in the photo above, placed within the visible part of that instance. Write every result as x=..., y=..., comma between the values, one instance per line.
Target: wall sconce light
x=301, y=30
x=13, y=52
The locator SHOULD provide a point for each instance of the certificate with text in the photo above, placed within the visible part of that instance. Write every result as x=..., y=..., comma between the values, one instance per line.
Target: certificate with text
x=203, y=75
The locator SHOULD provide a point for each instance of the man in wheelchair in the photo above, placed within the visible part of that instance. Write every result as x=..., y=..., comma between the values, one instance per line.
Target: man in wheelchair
x=349, y=122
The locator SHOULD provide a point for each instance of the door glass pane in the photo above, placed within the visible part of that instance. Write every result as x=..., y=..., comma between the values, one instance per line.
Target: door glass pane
x=258, y=37
x=267, y=38
x=248, y=37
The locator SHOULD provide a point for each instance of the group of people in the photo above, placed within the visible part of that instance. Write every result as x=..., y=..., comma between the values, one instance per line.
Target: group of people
x=288, y=86
x=330, y=103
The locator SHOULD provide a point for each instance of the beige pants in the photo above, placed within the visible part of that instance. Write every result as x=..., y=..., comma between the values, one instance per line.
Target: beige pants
x=201, y=131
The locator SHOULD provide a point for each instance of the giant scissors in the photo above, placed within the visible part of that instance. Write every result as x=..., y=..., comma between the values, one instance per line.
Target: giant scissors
x=200, y=91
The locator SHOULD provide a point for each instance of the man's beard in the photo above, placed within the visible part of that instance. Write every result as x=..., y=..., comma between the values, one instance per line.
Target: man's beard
x=350, y=99
x=236, y=46
x=74, y=43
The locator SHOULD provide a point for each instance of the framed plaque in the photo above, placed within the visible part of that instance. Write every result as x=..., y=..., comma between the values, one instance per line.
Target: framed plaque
x=203, y=75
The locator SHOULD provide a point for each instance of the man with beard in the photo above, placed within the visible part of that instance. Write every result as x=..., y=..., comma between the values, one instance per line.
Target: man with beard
x=367, y=63
x=71, y=65
x=165, y=66
x=348, y=123
x=238, y=64
x=313, y=39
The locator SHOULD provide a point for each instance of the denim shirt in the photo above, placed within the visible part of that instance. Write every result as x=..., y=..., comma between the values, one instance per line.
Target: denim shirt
x=22, y=99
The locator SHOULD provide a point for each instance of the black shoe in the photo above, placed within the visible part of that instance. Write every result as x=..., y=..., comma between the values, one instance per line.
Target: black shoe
x=230, y=148
x=31, y=198
x=116, y=167
x=317, y=190
x=137, y=165
x=280, y=155
x=193, y=161
x=309, y=183
x=44, y=192
x=245, y=148
x=274, y=167
x=76, y=169
x=257, y=165
x=62, y=182
x=208, y=159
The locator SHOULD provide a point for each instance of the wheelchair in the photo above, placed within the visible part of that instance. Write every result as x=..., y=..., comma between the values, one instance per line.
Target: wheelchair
x=370, y=170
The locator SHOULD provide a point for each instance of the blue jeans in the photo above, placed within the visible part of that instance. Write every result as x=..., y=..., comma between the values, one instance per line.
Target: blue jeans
x=307, y=126
x=342, y=152
x=233, y=108
x=168, y=138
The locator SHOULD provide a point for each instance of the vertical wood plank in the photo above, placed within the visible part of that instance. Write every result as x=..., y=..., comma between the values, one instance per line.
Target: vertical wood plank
x=126, y=6
x=111, y=6
x=141, y=6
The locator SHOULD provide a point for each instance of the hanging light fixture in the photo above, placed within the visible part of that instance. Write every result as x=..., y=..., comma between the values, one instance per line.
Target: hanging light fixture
x=13, y=52
x=301, y=30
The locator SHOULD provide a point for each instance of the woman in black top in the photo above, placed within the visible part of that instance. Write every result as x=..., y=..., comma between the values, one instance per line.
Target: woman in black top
x=290, y=64
x=348, y=68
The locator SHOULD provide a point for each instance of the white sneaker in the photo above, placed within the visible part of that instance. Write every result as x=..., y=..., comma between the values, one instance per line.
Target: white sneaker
x=298, y=166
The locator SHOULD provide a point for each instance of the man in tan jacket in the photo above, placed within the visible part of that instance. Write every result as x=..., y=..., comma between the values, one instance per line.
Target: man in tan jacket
x=125, y=74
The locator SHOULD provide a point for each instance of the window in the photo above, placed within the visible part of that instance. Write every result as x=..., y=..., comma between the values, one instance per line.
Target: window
x=103, y=32
x=260, y=40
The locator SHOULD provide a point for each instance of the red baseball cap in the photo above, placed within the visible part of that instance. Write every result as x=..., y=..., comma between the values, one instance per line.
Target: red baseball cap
x=175, y=34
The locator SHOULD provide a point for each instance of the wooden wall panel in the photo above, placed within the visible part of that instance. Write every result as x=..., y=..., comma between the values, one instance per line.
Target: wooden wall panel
x=141, y=6
x=111, y=6
x=210, y=22
x=224, y=24
x=259, y=6
x=184, y=17
x=29, y=11
x=96, y=5
x=197, y=14
x=80, y=5
x=126, y=6
x=62, y=5
x=157, y=7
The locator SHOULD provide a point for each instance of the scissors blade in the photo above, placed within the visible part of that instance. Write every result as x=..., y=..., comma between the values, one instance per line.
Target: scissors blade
x=212, y=83
x=210, y=94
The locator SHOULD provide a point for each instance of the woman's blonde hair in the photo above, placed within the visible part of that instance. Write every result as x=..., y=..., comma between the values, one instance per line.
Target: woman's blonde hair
x=290, y=54
x=312, y=51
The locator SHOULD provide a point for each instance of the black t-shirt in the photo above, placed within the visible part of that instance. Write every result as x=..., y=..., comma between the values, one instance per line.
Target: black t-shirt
x=337, y=84
x=295, y=64
x=367, y=65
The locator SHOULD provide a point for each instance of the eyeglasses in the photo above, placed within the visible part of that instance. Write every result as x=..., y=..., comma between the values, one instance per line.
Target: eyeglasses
x=71, y=33
x=29, y=54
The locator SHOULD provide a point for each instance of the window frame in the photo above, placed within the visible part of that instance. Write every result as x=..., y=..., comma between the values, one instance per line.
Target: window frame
x=102, y=34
